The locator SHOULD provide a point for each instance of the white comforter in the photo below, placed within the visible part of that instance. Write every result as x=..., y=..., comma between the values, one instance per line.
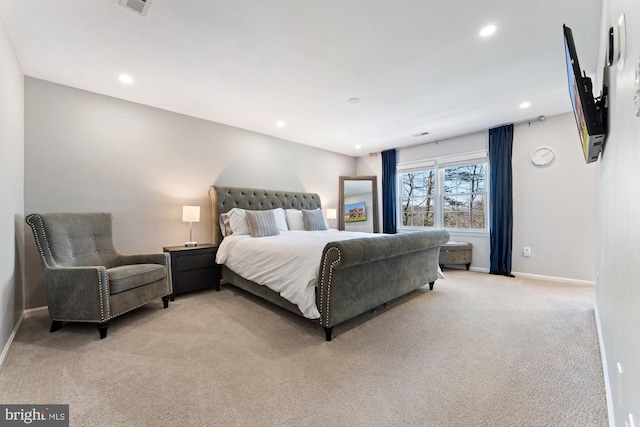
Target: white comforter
x=287, y=263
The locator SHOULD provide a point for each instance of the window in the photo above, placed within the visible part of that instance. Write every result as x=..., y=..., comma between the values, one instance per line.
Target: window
x=463, y=196
x=445, y=193
x=418, y=192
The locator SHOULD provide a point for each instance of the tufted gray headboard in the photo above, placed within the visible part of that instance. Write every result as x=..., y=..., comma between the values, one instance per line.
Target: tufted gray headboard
x=223, y=199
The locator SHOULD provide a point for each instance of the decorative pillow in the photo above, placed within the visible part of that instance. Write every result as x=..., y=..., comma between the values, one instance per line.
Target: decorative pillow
x=225, y=225
x=262, y=223
x=281, y=219
x=238, y=221
x=313, y=220
x=294, y=219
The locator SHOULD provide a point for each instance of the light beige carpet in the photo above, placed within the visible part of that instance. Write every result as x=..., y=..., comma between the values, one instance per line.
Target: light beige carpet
x=478, y=350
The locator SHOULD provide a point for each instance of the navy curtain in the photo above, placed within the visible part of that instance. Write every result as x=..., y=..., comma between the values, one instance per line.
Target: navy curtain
x=389, y=192
x=501, y=187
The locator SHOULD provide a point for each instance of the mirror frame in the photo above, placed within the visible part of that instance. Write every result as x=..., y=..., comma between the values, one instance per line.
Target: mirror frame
x=374, y=196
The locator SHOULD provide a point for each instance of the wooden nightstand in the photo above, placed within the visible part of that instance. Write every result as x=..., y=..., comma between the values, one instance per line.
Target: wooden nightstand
x=193, y=268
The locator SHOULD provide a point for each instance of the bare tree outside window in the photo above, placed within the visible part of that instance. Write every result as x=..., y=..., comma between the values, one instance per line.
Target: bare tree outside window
x=462, y=193
x=464, y=190
x=418, y=191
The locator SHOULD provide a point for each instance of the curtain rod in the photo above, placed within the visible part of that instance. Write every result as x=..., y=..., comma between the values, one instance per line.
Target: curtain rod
x=541, y=118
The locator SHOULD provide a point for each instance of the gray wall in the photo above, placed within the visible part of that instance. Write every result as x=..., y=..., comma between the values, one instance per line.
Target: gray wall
x=618, y=224
x=554, y=207
x=89, y=152
x=11, y=189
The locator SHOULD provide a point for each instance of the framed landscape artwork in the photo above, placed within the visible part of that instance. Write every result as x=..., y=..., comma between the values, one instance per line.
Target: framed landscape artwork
x=355, y=212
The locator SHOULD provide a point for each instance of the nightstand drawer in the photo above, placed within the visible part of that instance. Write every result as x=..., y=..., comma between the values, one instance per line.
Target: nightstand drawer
x=195, y=261
x=194, y=268
x=194, y=280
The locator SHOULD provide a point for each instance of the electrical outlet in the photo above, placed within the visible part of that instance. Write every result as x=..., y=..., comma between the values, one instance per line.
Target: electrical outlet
x=526, y=251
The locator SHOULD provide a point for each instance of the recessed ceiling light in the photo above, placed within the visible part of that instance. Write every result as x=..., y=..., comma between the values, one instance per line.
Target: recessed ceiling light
x=488, y=30
x=357, y=147
x=525, y=105
x=125, y=78
x=354, y=100
x=280, y=123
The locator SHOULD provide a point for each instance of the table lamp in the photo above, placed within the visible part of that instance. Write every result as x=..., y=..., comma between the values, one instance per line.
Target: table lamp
x=190, y=214
x=331, y=215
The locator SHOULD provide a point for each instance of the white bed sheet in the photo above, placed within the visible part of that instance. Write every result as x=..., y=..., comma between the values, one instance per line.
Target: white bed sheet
x=287, y=263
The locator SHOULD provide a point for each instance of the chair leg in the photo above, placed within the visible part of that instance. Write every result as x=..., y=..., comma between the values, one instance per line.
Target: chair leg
x=165, y=300
x=431, y=285
x=102, y=327
x=327, y=333
x=55, y=325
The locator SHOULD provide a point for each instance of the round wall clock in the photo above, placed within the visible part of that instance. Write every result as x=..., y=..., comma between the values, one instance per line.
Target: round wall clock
x=542, y=156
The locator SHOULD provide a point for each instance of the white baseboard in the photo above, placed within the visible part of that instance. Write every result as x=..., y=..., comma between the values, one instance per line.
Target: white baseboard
x=605, y=370
x=555, y=279
x=5, y=350
x=25, y=315
x=30, y=312
x=541, y=277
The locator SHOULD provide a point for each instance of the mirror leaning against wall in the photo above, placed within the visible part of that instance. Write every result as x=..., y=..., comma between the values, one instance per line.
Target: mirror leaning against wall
x=358, y=204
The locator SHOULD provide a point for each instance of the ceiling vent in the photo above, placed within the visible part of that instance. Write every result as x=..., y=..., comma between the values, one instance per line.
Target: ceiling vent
x=137, y=6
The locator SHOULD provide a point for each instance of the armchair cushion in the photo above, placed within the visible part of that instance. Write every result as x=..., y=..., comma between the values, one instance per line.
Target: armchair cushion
x=126, y=277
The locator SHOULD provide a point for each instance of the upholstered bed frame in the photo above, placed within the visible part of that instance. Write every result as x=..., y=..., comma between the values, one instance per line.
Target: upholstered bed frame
x=356, y=275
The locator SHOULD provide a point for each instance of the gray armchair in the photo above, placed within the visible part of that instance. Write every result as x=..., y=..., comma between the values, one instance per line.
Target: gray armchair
x=86, y=279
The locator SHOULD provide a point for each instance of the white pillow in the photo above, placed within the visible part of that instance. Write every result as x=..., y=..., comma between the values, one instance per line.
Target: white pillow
x=294, y=219
x=238, y=221
x=281, y=219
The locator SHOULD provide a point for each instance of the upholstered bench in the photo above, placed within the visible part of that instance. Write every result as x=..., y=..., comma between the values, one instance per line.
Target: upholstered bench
x=455, y=253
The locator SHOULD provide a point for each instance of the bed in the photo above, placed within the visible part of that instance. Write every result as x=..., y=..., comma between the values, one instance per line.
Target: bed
x=353, y=276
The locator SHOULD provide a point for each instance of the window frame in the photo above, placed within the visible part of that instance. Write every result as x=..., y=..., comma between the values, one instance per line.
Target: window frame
x=438, y=164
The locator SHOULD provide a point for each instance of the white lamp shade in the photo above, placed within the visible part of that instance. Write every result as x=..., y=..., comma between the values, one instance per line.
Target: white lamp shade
x=191, y=214
x=331, y=214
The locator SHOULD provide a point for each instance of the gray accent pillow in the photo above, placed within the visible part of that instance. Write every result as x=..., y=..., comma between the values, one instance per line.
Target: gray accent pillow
x=313, y=220
x=262, y=223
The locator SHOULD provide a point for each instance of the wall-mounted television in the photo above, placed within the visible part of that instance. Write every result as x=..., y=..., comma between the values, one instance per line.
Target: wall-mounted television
x=590, y=113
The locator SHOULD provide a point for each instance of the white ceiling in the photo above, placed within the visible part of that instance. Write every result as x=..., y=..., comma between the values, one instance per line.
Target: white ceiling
x=416, y=66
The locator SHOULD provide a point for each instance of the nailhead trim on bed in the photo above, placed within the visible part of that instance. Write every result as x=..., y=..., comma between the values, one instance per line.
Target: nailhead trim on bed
x=325, y=318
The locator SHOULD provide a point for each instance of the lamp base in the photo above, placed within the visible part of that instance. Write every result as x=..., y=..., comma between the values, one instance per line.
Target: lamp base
x=190, y=244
